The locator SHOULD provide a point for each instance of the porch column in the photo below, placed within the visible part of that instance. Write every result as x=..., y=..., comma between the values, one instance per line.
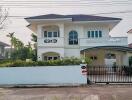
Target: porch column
x=118, y=59
x=61, y=28
x=39, y=31
x=126, y=59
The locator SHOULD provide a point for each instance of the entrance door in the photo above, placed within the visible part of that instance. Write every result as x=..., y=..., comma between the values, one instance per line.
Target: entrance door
x=110, y=59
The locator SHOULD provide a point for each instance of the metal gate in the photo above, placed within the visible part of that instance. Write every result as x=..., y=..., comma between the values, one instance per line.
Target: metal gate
x=105, y=74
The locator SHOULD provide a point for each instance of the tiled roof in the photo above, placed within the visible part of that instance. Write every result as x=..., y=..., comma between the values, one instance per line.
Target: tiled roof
x=130, y=31
x=79, y=17
x=130, y=45
x=3, y=44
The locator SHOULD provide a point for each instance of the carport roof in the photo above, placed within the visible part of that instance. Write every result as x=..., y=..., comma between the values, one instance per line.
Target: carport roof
x=118, y=48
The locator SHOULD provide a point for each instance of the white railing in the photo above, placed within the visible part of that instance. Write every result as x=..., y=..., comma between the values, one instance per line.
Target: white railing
x=51, y=42
x=112, y=41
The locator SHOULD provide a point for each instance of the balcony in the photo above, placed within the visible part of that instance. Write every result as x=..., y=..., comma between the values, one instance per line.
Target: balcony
x=51, y=42
x=112, y=41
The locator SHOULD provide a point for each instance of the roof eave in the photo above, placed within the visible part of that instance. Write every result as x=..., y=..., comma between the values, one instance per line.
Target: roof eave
x=56, y=19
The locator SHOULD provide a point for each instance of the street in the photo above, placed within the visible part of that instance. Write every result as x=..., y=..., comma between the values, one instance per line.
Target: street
x=93, y=92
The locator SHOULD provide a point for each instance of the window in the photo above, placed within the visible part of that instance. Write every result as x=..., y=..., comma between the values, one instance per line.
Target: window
x=45, y=33
x=49, y=58
x=110, y=56
x=55, y=58
x=93, y=57
x=94, y=34
x=100, y=33
x=88, y=34
x=73, y=38
x=55, y=34
x=51, y=34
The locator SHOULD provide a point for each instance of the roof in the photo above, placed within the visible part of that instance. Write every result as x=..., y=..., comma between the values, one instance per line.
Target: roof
x=3, y=44
x=78, y=17
x=130, y=45
x=130, y=31
x=118, y=48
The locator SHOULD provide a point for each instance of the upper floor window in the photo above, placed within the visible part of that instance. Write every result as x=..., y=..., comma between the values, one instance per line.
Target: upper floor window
x=51, y=34
x=73, y=38
x=94, y=34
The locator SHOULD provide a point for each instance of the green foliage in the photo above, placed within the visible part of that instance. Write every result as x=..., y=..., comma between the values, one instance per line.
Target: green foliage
x=20, y=51
x=86, y=60
x=23, y=63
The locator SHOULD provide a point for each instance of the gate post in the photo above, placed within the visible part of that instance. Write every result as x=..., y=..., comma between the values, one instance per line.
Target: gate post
x=88, y=81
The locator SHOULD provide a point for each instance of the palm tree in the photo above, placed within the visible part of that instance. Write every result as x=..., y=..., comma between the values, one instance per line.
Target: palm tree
x=11, y=35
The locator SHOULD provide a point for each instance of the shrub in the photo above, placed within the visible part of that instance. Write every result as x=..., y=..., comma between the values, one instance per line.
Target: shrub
x=22, y=63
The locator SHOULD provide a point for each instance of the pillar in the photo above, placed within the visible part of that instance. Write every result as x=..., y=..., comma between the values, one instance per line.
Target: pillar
x=126, y=59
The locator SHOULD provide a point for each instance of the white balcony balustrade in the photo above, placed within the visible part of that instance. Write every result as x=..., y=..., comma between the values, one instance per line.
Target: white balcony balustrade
x=112, y=41
x=51, y=42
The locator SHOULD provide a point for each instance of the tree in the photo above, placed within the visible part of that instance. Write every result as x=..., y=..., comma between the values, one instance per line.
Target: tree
x=11, y=35
x=34, y=39
x=3, y=17
x=15, y=42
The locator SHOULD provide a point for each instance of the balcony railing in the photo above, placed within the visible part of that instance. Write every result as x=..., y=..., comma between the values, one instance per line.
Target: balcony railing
x=51, y=42
x=112, y=41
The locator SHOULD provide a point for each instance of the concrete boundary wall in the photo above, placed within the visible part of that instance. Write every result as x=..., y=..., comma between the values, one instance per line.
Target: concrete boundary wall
x=42, y=75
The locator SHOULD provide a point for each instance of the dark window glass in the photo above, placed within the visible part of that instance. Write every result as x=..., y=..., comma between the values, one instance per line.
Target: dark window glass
x=93, y=57
x=49, y=34
x=55, y=34
x=55, y=58
x=96, y=33
x=49, y=58
x=88, y=34
x=73, y=38
x=92, y=34
x=45, y=57
x=45, y=33
x=100, y=33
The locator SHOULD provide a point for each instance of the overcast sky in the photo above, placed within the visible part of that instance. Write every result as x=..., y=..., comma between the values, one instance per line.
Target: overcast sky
x=18, y=25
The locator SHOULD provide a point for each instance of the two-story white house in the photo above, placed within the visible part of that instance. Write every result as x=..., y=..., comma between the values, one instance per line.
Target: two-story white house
x=62, y=36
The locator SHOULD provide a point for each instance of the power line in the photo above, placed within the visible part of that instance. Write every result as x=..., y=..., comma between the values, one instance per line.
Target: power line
x=62, y=3
x=127, y=11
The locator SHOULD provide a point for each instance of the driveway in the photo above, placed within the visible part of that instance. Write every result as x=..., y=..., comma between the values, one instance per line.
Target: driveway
x=93, y=92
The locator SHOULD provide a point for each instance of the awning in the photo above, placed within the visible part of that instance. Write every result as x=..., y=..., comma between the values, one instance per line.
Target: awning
x=117, y=48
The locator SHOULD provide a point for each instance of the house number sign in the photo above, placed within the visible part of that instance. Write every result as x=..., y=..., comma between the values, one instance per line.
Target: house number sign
x=50, y=41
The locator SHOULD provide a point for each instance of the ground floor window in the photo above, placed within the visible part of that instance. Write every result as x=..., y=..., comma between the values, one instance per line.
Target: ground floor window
x=51, y=58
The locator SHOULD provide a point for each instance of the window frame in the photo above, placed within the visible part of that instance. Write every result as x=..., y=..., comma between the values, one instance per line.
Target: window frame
x=94, y=34
x=46, y=34
x=73, y=37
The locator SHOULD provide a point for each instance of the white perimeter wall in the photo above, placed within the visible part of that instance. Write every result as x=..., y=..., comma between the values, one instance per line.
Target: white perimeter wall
x=42, y=75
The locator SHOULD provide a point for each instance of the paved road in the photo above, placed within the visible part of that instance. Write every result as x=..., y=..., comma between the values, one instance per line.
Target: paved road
x=93, y=92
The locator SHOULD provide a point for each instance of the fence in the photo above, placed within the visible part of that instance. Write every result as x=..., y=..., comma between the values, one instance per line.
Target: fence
x=105, y=74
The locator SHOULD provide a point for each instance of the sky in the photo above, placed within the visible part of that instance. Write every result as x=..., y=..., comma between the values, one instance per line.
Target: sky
x=18, y=24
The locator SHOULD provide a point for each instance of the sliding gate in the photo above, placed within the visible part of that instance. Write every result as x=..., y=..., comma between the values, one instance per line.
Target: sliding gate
x=105, y=74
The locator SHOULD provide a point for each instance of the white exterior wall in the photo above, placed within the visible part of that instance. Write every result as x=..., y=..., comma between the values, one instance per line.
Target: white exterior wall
x=72, y=53
x=43, y=50
x=42, y=75
x=62, y=46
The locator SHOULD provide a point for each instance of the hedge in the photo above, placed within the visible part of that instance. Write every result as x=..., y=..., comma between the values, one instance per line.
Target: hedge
x=21, y=63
